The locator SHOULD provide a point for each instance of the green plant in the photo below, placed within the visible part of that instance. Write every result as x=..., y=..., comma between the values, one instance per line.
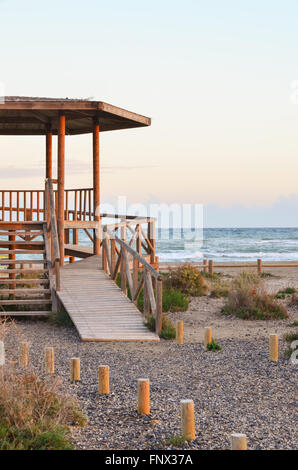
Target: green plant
x=248, y=300
x=175, y=441
x=290, y=338
x=61, y=318
x=213, y=346
x=295, y=323
x=168, y=330
x=282, y=293
x=188, y=280
x=172, y=300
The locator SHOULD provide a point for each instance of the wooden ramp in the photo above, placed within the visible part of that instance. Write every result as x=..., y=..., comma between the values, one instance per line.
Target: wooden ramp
x=98, y=308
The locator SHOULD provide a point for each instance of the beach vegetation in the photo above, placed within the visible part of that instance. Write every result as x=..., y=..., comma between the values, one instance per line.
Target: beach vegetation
x=188, y=280
x=61, y=318
x=290, y=338
x=34, y=413
x=213, y=346
x=219, y=288
x=248, y=300
x=168, y=330
x=175, y=441
x=173, y=300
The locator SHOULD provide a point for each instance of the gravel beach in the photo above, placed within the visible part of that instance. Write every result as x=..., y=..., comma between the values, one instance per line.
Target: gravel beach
x=234, y=390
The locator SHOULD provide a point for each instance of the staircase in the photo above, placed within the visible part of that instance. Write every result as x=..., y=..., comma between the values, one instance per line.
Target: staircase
x=26, y=282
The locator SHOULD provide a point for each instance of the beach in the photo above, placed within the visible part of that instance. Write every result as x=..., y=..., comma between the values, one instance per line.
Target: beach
x=236, y=389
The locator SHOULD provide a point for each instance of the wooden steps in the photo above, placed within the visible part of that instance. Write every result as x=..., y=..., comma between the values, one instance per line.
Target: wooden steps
x=15, y=273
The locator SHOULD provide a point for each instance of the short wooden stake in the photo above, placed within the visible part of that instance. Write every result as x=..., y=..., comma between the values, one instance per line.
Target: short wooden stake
x=75, y=369
x=179, y=332
x=207, y=337
x=103, y=380
x=23, y=354
x=188, y=420
x=49, y=361
x=238, y=442
x=205, y=264
x=143, y=396
x=211, y=267
x=260, y=267
x=273, y=348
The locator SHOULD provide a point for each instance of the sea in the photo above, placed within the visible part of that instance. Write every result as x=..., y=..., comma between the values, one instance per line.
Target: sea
x=226, y=244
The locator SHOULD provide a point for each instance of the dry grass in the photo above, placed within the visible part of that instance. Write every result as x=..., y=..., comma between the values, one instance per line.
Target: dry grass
x=34, y=411
x=249, y=300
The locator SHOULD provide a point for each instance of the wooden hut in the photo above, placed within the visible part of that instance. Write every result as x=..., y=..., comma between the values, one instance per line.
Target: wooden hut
x=39, y=229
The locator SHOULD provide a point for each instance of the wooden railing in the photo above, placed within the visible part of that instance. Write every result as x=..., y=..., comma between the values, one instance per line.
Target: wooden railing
x=51, y=232
x=21, y=205
x=117, y=255
x=79, y=204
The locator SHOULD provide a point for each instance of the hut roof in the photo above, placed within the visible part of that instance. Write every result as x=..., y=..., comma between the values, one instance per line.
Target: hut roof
x=21, y=115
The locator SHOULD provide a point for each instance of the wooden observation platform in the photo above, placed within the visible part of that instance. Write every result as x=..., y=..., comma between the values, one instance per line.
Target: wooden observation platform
x=43, y=264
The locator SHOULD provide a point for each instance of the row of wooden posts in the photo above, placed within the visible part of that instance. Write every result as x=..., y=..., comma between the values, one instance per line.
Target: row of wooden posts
x=208, y=266
x=238, y=441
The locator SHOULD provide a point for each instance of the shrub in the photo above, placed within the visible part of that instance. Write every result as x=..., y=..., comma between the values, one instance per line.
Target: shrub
x=34, y=414
x=172, y=300
x=187, y=279
x=168, y=330
x=248, y=300
x=294, y=300
x=281, y=294
x=213, y=346
x=219, y=289
x=290, y=338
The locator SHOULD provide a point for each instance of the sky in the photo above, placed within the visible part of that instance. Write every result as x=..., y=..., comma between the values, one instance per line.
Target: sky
x=218, y=78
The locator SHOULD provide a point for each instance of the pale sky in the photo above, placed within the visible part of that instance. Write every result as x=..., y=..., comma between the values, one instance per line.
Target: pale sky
x=214, y=75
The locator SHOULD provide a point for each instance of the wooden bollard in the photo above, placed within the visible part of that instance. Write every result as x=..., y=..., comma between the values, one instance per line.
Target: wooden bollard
x=205, y=264
x=238, y=442
x=207, y=336
x=211, y=267
x=179, y=332
x=260, y=267
x=188, y=420
x=23, y=354
x=49, y=361
x=103, y=380
x=143, y=396
x=75, y=369
x=273, y=348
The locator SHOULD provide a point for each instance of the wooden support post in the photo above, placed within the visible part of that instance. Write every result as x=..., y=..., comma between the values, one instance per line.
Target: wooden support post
x=260, y=267
x=143, y=396
x=75, y=369
x=103, y=380
x=238, y=442
x=24, y=354
x=205, y=263
x=61, y=183
x=179, y=332
x=207, y=337
x=12, y=266
x=49, y=154
x=273, y=348
x=123, y=273
x=146, y=301
x=49, y=361
x=151, y=236
x=113, y=254
x=96, y=184
x=158, y=320
x=211, y=267
x=188, y=420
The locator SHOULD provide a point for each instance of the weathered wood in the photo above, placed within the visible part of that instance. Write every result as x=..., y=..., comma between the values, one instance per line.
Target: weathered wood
x=61, y=179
